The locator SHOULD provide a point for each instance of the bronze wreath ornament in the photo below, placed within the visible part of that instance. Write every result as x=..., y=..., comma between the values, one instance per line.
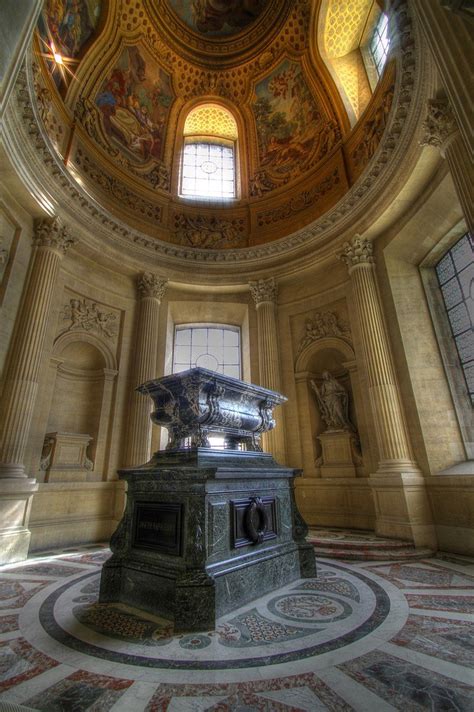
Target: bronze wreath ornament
x=256, y=520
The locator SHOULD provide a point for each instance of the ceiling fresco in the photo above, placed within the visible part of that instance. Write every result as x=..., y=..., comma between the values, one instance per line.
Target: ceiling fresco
x=288, y=120
x=218, y=18
x=135, y=89
x=66, y=27
x=134, y=103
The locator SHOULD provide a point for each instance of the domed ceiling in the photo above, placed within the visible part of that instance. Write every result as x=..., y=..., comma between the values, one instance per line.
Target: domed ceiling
x=115, y=81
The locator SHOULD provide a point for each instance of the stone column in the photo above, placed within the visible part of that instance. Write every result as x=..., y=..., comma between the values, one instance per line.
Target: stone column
x=401, y=501
x=264, y=293
x=51, y=241
x=441, y=131
x=151, y=290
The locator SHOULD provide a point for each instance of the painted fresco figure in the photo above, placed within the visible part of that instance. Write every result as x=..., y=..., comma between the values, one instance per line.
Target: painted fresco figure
x=333, y=402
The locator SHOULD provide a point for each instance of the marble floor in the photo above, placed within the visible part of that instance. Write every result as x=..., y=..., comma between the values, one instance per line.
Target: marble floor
x=368, y=636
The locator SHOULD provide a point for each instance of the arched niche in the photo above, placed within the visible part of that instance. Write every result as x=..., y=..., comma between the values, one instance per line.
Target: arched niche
x=81, y=403
x=337, y=356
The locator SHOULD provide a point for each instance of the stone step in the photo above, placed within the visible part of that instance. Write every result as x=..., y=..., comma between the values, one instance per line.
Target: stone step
x=372, y=554
x=358, y=543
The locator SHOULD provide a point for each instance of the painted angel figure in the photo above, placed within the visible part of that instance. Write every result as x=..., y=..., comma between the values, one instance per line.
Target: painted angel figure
x=333, y=402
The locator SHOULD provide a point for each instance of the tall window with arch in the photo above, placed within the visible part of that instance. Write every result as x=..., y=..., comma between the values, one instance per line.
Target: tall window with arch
x=455, y=273
x=208, y=168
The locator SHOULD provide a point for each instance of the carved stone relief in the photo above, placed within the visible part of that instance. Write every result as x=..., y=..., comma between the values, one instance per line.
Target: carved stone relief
x=323, y=324
x=373, y=130
x=44, y=102
x=116, y=189
x=86, y=315
x=300, y=202
x=209, y=231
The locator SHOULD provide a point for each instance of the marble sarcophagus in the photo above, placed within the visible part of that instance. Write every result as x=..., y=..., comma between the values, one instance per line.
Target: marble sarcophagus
x=206, y=530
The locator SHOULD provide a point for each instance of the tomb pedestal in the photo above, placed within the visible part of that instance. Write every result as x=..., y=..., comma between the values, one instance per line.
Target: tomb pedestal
x=205, y=531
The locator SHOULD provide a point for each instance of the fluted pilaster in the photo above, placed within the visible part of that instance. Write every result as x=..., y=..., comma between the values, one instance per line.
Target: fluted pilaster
x=392, y=439
x=265, y=293
x=442, y=132
x=151, y=289
x=401, y=501
x=51, y=241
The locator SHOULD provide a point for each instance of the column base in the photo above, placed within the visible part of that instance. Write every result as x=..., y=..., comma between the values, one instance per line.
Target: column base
x=16, y=495
x=12, y=470
x=401, y=503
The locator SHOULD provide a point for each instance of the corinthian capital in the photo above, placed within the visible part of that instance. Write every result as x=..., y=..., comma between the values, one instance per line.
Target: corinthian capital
x=151, y=285
x=264, y=290
x=440, y=124
x=49, y=232
x=356, y=252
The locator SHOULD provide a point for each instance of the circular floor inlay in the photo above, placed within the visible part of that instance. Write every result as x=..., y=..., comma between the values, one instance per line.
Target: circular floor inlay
x=307, y=618
x=310, y=607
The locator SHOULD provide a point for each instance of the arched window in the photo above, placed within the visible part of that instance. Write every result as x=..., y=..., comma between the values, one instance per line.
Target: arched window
x=380, y=43
x=455, y=273
x=354, y=43
x=208, y=160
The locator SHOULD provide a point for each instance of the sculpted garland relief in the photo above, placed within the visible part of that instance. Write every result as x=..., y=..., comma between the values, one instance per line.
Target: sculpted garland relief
x=208, y=231
x=323, y=324
x=301, y=201
x=86, y=315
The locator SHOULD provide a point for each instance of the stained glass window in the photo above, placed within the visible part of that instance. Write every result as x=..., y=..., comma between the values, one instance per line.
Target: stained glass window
x=216, y=347
x=380, y=43
x=208, y=170
x=455, y=272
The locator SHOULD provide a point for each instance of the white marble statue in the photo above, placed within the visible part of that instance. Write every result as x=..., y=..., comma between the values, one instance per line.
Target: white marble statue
x=333, y=403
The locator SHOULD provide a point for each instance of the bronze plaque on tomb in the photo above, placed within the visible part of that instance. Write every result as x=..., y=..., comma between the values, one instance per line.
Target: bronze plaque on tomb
x=254, y=520
x=158, y=526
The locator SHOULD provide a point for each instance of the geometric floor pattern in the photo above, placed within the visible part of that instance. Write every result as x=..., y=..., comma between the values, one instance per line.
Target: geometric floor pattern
x=368, y=636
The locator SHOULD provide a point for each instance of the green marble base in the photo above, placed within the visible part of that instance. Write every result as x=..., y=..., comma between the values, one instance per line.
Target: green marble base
x=203, y=533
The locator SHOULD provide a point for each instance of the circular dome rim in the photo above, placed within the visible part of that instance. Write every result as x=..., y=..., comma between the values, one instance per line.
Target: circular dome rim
x=333, y=225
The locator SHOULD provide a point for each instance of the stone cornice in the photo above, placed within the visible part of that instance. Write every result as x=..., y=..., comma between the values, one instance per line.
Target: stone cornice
x=38, y=166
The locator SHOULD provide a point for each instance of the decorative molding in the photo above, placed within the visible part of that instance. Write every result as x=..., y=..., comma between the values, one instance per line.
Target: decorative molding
x=321, y=325
x=208, y=231
x=374, y=129
x=116, y=189
x=300, y=202
x=44, y=102
x=356, y=252
x=84, y=315
x=49, y=232
x=264, y=290
x=152, y=285
x=440, y=124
